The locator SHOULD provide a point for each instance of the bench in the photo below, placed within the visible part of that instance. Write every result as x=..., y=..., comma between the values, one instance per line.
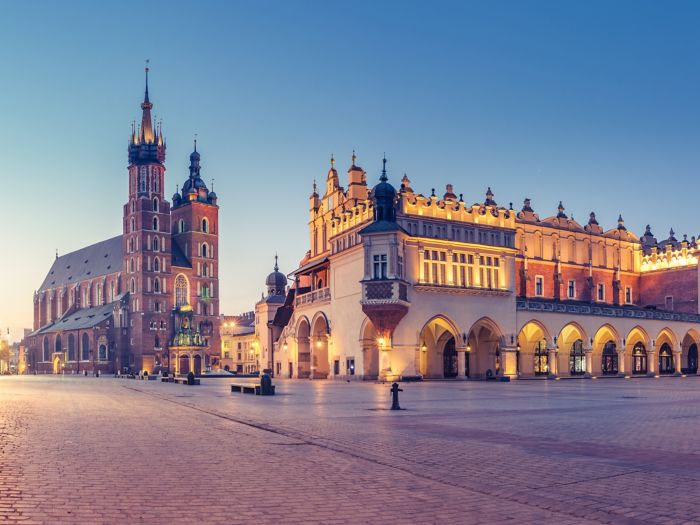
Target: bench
x=249, y=388
x=183, y=380
x=166, y=379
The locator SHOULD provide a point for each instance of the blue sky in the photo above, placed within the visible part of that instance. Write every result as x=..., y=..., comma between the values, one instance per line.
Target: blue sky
x=592, y=103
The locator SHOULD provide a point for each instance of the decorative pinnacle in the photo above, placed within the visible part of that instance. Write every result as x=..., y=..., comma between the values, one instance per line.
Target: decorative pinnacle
x=147, y=69
x=195, y=142
x=383, y=178
x=354, y=157
x=276, y=267
x=332, y=161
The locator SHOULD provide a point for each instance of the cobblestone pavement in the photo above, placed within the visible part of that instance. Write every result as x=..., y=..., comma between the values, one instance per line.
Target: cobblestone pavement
x=88, y=450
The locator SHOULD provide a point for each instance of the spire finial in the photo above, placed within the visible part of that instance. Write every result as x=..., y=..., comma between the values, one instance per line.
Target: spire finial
x=314, y=186
x=383, y=178
x=195, y=142
x=148, y=61
x=332, y=161
x=212, y=183
x=354, y=157
x=276, y=267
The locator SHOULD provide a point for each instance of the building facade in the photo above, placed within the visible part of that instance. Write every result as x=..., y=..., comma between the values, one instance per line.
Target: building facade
x=125, y=302
x=398, y=284
x=240, y=351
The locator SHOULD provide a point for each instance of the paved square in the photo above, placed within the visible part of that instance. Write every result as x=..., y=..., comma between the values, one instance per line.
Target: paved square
x=87, y=450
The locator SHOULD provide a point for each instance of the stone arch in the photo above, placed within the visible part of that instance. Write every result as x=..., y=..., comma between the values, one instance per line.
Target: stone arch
x=320, y=339
x=370, y=350
x=303, y=341
x=637, y=348
x=438, y=348
x=666, y=344
x=606, y=344
x=484, y=344
x=534, y=342
x=690, y=349
x=571, y=342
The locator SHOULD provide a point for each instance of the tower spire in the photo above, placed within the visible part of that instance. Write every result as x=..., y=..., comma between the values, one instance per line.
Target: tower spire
x=146, y=106
x=276, y=266
x=383, y=178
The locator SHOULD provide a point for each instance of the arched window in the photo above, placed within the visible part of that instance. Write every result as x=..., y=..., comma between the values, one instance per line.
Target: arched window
x=577, y=359
x=133, y=207
x=205, y=270
x=639, y=359
x=156, y=264
x=541, y=358
x=133, y=225
x=205, y=225
x=609, y=359
x=71, y=347
x=155, y=224
x=132, y=285
x=102, y=353
x=181, y=291
x=156, y=244
x=131, y=265
x=58, y=347
x=666, y=359
x=142, y=179
x=156, y=285
x=85, y=348
x=205, y=250
x=45, y=356
x=181, y=226
x=156, y=344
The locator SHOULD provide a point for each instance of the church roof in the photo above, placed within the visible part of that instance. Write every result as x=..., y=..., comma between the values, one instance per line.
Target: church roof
x=102, y=258
x=82, y=318
x=179, y=258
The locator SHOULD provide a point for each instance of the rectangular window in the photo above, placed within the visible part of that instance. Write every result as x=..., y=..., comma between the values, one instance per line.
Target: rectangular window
x=399, y=264
x=601, y=292
x=539, y=286
x=669, y=303
x=628, y=294
x=379, y=270
x=571, y=291
x=350, y=363
x=336, y=367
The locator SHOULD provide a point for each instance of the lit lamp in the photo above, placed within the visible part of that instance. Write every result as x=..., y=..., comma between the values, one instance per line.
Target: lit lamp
x=381, y=341
x=469, y=348
x=424, y=347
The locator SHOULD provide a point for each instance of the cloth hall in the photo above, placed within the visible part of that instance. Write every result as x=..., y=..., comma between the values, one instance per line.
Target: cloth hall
x=147, y=299
x=398, y=284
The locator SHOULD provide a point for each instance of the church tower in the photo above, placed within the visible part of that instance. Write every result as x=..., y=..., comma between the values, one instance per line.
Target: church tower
x=147, y=247
x=195, y=234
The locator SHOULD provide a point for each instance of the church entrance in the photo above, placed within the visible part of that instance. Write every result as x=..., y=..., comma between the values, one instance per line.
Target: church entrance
x=57, y=364
x=449, y=359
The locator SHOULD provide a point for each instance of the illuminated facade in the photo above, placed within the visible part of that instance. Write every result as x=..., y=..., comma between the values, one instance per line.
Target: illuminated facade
x=239, y=344
x=400, y=284
x=127, y=301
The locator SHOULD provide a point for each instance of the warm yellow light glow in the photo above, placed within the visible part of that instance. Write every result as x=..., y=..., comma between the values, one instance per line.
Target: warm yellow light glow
x=381, y=341
x=424, y=347
x=469, y=348
x=285, y=346
x=319, y=344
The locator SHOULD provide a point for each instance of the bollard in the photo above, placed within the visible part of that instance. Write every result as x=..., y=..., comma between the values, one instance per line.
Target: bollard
x=97, y=373
x=395, y=396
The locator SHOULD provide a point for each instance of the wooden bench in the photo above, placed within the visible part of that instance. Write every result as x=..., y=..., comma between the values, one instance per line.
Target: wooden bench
x=166, y=379
x=183, y=380
x=249, y=388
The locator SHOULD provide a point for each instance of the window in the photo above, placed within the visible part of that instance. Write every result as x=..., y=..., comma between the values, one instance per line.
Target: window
x=45, y=356
x=539, y=286
x=577, y=359
x=379, y=266
x=666, y=359
x=156, y=244
x=132, y=226
x=628, y=294
x=102, y=352
x=609, y=359
x=601, y=292
x=571, y=290
x=350, y=366
x=156, y=181
x=156, y=264
x=205, y=270
x=155, y=224
x=132, y=285
x=399, y=267
x=181, y=226
x=435, y=267
x=131, y=265
x=85, y=348
x=205, y=225
x=541, y=358
x=156, y=285
x=205, y=250
x=155, y=204
x=205, y=291
x=668, y=303
x=156, y=343
x=142, y=179
x=489, y=271
x=639, y=359
x=181, y=291
x=461, y=272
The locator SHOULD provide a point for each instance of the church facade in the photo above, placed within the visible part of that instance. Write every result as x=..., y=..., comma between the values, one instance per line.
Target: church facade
x=147, y=299
x=399, y=284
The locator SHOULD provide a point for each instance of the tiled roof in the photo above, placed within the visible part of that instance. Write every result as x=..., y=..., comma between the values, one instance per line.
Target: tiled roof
x=82, y=318
x=98, y=259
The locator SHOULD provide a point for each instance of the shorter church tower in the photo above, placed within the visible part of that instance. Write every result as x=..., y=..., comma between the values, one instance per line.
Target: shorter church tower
x=195, y=266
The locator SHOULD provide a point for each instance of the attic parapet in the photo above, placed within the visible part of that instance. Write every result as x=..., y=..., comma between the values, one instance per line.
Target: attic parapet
x=457, y=211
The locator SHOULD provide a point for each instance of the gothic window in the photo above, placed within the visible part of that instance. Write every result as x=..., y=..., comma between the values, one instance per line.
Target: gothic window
x=155, y=224
x=131, y=265
x=142, y=179
x=609, y=359
x=156, y=285
x=541, y=358
x=155, y=203
x=639, y=359
x=577, y=358
x=132, y=287
x=102, y=353
x=156, y=244
x=205, y=225
x=205, y=270
x=156, y=344
x=133, y=207
x=181, y=291
x=58, y=348
x=156, y=181
x=85, y=348
x=156, y=264
x=45, y=356
x=132, y=225
x=181, y=226
x=205, y=250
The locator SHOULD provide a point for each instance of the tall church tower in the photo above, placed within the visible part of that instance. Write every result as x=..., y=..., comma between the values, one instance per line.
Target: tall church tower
x=147, y=247
x=195, y=234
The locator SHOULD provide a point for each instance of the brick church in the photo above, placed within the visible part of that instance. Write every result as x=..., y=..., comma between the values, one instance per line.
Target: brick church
x=147, y=299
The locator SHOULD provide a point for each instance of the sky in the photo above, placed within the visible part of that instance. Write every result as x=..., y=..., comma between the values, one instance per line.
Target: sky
x=592, y=103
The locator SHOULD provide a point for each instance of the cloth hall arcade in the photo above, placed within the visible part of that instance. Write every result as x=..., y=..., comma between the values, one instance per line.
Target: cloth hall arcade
x=399, y=284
